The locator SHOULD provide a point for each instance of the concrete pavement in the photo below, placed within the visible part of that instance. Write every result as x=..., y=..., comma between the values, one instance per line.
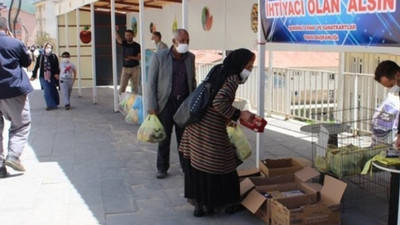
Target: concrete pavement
x=86, y=167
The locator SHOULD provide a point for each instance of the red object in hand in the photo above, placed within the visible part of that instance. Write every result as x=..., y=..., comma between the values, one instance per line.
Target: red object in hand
x=257, y=124
x=85, y=35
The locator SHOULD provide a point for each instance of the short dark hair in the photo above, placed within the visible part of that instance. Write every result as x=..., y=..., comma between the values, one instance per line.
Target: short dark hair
x=129, y=31
x=158, y=34
x=387, y=69
x=65, y=54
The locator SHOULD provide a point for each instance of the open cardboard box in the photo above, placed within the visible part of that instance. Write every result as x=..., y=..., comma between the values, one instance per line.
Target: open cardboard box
x=259, y=205
x=276, y=167
x=252, y=172
x=303, y=211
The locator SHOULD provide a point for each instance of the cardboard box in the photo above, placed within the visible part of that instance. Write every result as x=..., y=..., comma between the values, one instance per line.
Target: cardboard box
x=252, y=172
x=304, y=211
x=258, y=204
x=276, y=167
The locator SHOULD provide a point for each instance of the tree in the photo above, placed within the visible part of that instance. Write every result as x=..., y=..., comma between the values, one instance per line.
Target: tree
x=44, y=37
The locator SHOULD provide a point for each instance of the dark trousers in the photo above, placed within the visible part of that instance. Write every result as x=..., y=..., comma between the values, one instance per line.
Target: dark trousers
x=394, y=198
x=166, y=119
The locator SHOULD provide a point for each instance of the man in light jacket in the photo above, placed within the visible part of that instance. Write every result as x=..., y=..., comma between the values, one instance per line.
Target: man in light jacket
x=171, y=78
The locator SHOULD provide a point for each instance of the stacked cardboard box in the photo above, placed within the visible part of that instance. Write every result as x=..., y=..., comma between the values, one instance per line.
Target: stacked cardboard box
x=304, y=210
x=259, y=191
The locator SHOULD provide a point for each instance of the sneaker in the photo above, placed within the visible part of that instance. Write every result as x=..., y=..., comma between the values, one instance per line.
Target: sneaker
x=15, y=164
x=161, y=174
x=3, y=172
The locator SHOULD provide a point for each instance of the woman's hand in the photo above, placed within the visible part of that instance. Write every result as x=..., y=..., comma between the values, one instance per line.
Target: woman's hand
x=33, y=78
x=247, y=116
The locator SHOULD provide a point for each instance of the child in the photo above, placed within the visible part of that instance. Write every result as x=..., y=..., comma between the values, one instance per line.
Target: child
x=67, y=78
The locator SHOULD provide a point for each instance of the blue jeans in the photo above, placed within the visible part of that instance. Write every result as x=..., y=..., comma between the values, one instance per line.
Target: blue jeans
x=50, y=92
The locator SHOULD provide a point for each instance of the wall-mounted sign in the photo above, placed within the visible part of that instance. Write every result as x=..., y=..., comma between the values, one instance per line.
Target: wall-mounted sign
x=332, y=22
x=206, y=19
x=85, y=35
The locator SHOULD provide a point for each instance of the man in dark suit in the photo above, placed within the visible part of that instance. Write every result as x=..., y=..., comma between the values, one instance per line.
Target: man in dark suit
x=14, y=103
x=171, y=79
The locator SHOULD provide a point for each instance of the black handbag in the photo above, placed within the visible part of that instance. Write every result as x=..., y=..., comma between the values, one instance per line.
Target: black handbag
x=192, y=108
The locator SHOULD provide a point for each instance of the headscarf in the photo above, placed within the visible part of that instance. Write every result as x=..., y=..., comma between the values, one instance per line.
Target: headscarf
x=235, y=62
x=46, y=63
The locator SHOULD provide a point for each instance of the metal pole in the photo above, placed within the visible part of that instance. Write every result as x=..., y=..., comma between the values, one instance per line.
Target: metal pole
x=185, y=14
x=66, y=31
x=260, y=80
x=114, y=56
x=92, y=22
x=78, y=51
x=143, y=54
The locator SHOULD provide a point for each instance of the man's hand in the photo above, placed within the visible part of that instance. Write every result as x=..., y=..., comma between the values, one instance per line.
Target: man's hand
x=152, y=112
x=33, y=78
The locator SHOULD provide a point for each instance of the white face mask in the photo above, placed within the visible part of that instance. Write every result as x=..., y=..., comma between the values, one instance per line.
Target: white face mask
x=244, y=75
x=48, y=50
x=182, y=48
x=154, y=42
x=65, y=60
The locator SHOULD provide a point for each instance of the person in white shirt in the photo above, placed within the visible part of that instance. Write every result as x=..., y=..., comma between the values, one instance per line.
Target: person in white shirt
x=67, y=78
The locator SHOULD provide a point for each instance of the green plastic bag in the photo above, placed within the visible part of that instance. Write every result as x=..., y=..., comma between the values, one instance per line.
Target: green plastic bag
x=151, y=130
x=237, y=138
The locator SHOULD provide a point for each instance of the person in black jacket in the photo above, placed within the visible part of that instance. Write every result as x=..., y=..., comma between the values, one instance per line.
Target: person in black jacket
x=48, y=75
x=14, y=102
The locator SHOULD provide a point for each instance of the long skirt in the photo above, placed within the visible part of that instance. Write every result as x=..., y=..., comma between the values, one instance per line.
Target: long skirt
x=211, y=190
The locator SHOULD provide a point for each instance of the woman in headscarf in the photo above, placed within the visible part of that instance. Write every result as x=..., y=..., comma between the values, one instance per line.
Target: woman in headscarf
x=48, y=76
x=210, y=161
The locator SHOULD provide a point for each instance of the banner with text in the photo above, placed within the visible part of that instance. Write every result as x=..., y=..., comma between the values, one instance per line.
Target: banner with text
x=332, y=22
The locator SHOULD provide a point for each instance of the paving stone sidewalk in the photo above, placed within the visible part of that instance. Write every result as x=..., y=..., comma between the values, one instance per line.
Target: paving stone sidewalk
x=86, y=167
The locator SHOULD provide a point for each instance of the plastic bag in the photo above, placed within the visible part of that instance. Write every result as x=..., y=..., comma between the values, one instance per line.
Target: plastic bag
x=135, y=113
x=127, y=100
x=151, y=130
x=138, y=106
x=385, y=120
x=237, y=138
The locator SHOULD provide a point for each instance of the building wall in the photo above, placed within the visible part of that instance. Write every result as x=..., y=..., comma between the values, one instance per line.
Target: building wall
x=26, y=27
x=68, y=41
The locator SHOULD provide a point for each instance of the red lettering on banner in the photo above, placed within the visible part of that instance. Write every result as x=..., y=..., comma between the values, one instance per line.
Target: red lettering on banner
x=327, y=7
x=371, y=6
x=278, y=9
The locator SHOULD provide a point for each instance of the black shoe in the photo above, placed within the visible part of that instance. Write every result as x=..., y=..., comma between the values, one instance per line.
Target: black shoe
x=233, y=209
x=161, y=174
x=67, y=107
x=198, y=211
x=210, y=210
x=15, y=164
x=3, y=172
